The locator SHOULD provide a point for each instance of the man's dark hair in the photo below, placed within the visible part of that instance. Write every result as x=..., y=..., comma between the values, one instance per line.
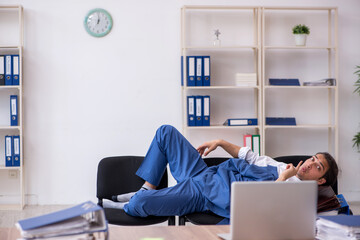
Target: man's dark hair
x=332, y=173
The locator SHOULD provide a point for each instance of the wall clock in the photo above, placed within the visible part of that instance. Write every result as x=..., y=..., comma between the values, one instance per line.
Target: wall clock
x=98, y=22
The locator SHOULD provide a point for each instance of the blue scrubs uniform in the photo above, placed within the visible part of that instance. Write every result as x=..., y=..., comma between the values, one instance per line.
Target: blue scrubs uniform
x=199, y=188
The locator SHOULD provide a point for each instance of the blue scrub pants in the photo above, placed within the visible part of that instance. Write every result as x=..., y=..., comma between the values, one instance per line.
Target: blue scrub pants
x=169, y=147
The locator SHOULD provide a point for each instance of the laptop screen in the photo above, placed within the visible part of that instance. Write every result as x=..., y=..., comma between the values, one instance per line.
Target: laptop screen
x=273, y=210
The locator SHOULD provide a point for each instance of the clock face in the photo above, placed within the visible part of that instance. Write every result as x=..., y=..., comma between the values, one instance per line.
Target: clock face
x=98, y=22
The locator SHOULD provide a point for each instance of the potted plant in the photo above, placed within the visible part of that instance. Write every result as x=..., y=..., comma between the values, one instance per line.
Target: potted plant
x=300, y=32
x=356, y=138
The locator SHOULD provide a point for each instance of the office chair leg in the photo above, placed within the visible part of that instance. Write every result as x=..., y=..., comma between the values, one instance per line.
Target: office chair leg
x=171, y=221
x=182, y=220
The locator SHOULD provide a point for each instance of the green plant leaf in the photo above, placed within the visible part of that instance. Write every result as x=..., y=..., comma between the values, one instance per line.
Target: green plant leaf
x=356, y=141
x=301, y=29
x=357, y=82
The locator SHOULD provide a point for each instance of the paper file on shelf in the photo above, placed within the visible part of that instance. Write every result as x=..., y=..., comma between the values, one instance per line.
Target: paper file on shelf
x=322, y=82
x=240, y=121
x=246, y=79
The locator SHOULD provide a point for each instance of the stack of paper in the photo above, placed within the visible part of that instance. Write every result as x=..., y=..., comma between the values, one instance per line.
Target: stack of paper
x=84, y=219
x=338, y=227
x=246, y=79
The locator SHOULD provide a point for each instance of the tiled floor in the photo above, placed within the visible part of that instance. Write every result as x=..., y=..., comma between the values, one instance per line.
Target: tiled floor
x=9, y=218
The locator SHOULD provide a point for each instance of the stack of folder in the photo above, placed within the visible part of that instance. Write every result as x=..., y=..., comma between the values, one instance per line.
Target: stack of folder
x=9, y=70
x=253, y=142
x=83, y=221
x=12, y=151
x=338, y=227
x=327, y=199
x=198, y=110
x=198, y=71
x=246, y=79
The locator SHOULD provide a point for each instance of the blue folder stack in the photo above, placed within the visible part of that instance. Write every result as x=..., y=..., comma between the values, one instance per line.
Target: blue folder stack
x=198, y=110
x=197, y=71
x=9, y=70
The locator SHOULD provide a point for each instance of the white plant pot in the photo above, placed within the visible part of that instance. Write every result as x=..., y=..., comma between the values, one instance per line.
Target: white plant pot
x=300, y=39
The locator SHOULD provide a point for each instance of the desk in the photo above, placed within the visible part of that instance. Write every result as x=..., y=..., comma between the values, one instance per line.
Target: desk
x=137, y=232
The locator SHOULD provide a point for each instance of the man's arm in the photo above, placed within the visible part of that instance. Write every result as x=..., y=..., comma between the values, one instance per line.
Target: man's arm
x=232, y=149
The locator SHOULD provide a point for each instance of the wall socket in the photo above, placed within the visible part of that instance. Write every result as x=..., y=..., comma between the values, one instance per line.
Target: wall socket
x=13, y=174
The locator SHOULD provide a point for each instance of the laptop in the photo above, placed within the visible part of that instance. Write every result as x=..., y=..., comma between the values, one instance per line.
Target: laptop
x=272, y=210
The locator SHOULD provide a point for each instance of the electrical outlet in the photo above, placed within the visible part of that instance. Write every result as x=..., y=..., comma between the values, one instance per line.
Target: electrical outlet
x=13, y=174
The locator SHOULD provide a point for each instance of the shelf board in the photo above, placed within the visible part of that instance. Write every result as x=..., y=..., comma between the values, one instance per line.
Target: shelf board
x=300, y=87
x=221, y=87
x=2, y=167
x=300, y=8
x=11, y=207
x=17, y=87
x=9, y=127
x=222, y=47
x=218, y=7
x=300, y=47
x=9, y=46
x=223, y=127
x=10, y=6
x=301, y=126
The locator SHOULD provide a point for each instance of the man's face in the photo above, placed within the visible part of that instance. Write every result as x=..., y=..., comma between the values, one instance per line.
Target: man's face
x=313, y=169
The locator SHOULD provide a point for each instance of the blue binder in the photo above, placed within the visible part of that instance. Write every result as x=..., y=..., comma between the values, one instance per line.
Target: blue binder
x=15, y=70
x=191, y=110
x=199, y=69
x=8, y=151
x=198, y=111
x=190, y=66
x=16, y=151
x=280, y=121
x=8, y=70
x=182, y=70
x=284, y=81
x=206, y=111
x=206, y=71
x=241, y=122
x=344, y=206
x=13, y=110
x=2, y=70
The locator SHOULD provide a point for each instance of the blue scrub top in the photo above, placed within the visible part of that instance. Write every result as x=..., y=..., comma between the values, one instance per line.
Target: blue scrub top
x=215, y=182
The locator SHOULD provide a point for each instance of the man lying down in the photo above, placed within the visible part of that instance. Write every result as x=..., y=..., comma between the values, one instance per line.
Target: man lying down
x=201, y=188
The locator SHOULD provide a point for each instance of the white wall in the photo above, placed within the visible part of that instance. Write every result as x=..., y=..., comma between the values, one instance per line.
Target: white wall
x=87, y=98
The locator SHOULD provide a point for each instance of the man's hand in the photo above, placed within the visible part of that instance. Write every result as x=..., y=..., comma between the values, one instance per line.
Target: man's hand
x=210, y=146
x=289, y=171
